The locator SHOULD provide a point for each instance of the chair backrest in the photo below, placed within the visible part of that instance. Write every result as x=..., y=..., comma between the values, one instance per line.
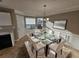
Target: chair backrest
x=59, y=49
x=57, y=34
x=51, y=54
x=28, y=46
x=60, y=45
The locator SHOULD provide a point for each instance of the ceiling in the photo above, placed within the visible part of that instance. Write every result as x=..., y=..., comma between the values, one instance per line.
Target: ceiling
x=35, y=7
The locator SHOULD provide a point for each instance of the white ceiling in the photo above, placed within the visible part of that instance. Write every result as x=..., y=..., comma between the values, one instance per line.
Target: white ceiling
x=35, y=7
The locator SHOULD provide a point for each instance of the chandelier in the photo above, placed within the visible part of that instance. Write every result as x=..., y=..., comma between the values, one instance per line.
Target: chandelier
x=45, y=18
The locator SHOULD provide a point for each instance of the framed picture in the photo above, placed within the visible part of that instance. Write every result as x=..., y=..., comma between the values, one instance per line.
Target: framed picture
x=60, y=24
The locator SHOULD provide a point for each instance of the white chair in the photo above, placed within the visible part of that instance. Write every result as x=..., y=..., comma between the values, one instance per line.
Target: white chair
x=51, y=54
x=57, y=34
x=56, y=47
x=28, y=47
x=36, y=32
x=35, y=40
x=65, y=53
x=40, y=49
x=53, y=46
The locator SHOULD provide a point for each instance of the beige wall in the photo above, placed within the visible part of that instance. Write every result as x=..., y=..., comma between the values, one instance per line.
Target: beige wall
x=72, y=20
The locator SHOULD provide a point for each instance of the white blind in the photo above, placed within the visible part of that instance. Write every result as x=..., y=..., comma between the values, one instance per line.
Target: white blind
x=30, y=20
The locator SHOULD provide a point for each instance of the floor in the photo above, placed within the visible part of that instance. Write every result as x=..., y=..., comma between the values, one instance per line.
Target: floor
x=18, y=51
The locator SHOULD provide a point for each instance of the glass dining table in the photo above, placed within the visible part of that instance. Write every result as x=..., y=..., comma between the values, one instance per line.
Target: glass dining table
x=46, y=39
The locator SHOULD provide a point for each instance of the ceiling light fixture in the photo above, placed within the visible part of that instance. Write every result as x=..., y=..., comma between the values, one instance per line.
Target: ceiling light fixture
x=45, y=18
x=44, y=10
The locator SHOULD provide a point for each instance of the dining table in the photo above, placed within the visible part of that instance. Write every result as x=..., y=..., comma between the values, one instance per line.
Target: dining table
x=46, y=39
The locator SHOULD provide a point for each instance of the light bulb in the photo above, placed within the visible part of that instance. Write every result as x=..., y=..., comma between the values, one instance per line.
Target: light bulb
x=48, y=19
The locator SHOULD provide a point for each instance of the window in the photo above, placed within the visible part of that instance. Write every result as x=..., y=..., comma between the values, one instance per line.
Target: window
x=30, y=22
x=39, y=22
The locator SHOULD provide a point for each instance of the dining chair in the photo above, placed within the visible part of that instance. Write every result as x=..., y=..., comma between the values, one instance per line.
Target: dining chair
x=56, y=48
x=66, y=53
x=39, y=48
x=34, y=40
x=29, y=49
x=51, y=54
x=57, y=34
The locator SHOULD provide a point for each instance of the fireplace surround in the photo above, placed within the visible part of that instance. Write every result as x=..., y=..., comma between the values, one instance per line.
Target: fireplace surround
x=6, y=40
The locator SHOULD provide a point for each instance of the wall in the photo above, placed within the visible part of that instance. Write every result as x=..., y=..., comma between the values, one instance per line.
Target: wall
x=5, y=19
x=74, y=40
x=5, y=22
x=72, y=20
x=9, y=27
x=20, y=26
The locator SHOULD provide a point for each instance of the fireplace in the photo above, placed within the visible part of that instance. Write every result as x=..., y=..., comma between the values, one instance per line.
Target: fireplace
x=5, y=41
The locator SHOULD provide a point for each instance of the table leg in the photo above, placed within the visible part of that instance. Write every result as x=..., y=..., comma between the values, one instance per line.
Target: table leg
x=61, y=51
x=36, y=54
x=46, y=50
x=56, y=55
